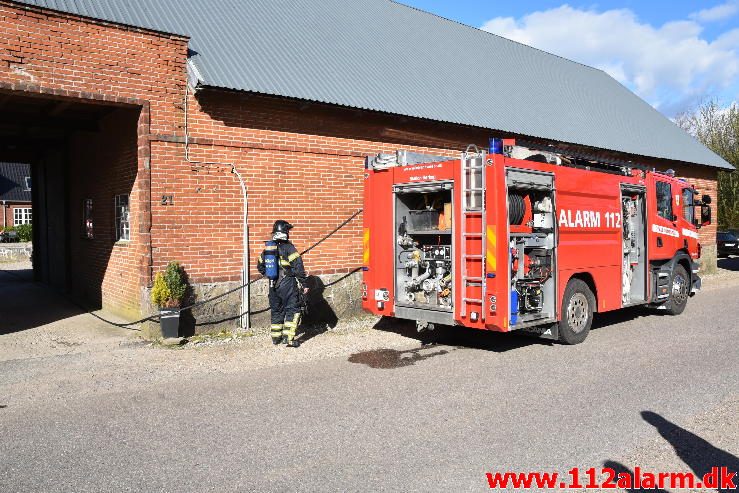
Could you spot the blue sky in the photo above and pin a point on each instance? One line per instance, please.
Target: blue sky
(673, 54)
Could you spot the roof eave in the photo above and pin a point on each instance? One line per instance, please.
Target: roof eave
(201, 85)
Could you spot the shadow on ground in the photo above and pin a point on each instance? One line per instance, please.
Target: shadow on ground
(461, 337)
(729, 263)
(698, 454)
(27, 305)
(318, 316)
(497, 341)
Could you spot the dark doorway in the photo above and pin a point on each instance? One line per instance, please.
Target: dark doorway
(80, 152)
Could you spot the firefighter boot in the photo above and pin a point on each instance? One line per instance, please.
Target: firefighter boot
(291, 328)
(276, 333)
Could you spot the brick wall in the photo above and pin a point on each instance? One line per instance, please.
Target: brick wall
(43, 51)
(101, 166)
(53, 55)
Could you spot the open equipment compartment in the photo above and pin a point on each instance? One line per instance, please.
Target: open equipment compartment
(532, 247)
(424, 249)
(634, 246)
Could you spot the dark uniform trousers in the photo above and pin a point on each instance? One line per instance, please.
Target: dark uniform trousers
(284, 297)
(284, 301)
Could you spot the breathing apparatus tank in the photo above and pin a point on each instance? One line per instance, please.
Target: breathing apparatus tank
(271, 261)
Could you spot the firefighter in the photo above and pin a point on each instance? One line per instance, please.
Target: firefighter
(280, 262)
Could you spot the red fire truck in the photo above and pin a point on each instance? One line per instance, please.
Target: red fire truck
(525, 239)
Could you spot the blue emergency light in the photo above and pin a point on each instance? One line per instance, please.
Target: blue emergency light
(496, 145)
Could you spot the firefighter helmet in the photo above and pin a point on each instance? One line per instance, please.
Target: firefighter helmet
(281, 230)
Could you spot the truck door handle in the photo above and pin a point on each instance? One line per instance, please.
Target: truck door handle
(659, 242)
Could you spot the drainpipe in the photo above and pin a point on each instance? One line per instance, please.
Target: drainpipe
(5, 216)
(245, 318)
(245, 290)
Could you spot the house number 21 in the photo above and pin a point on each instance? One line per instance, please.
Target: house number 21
(167, 199)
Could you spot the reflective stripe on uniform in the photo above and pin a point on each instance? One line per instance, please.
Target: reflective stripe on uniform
(292, 257)
(276, 327)
(284, 263)
(292, 326)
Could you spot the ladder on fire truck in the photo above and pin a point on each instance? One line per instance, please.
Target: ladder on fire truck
(473, 214)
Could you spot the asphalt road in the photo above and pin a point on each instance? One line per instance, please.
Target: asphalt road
(433, 418)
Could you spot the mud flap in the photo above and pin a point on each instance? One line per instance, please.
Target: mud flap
(695, 279)
(697, 283)
(547, 332)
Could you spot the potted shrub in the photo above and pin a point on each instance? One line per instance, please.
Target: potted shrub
(168, 293)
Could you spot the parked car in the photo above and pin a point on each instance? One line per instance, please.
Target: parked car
(728, 243)
(8, 236)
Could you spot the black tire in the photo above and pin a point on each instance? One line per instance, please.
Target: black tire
(578, 305)
(680, 290)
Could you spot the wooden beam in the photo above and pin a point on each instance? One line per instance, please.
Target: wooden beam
(51, 122)
(58, 108)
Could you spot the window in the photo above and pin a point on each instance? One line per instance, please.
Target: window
(122, 225)
(28, 183)
(664, 200)
(87, 226)
(688, 205)
(22, 215)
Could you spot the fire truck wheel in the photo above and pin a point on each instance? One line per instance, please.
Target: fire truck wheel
(680, 290)
(577, 312)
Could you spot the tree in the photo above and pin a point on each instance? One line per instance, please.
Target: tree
(718, 129)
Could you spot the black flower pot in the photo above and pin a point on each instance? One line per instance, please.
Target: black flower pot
(169, 320)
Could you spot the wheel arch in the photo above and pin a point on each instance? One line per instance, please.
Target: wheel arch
(588, 279)
(683, 258)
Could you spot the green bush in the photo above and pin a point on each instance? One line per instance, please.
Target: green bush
(175, 279)
(169, 287)
(25, 232)
(160, 294)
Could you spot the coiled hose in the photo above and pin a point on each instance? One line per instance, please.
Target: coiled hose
(516, 208)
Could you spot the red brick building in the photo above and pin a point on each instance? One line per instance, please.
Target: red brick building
(15, 194)
(133, 133)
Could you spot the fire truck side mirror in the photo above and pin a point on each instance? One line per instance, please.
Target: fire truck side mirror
(705, 214)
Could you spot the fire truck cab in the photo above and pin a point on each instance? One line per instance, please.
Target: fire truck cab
(525, 239)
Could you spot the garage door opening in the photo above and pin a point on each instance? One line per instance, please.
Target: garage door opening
(83, 158)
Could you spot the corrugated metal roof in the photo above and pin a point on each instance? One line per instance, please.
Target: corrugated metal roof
(13, 182)
(384, 56)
